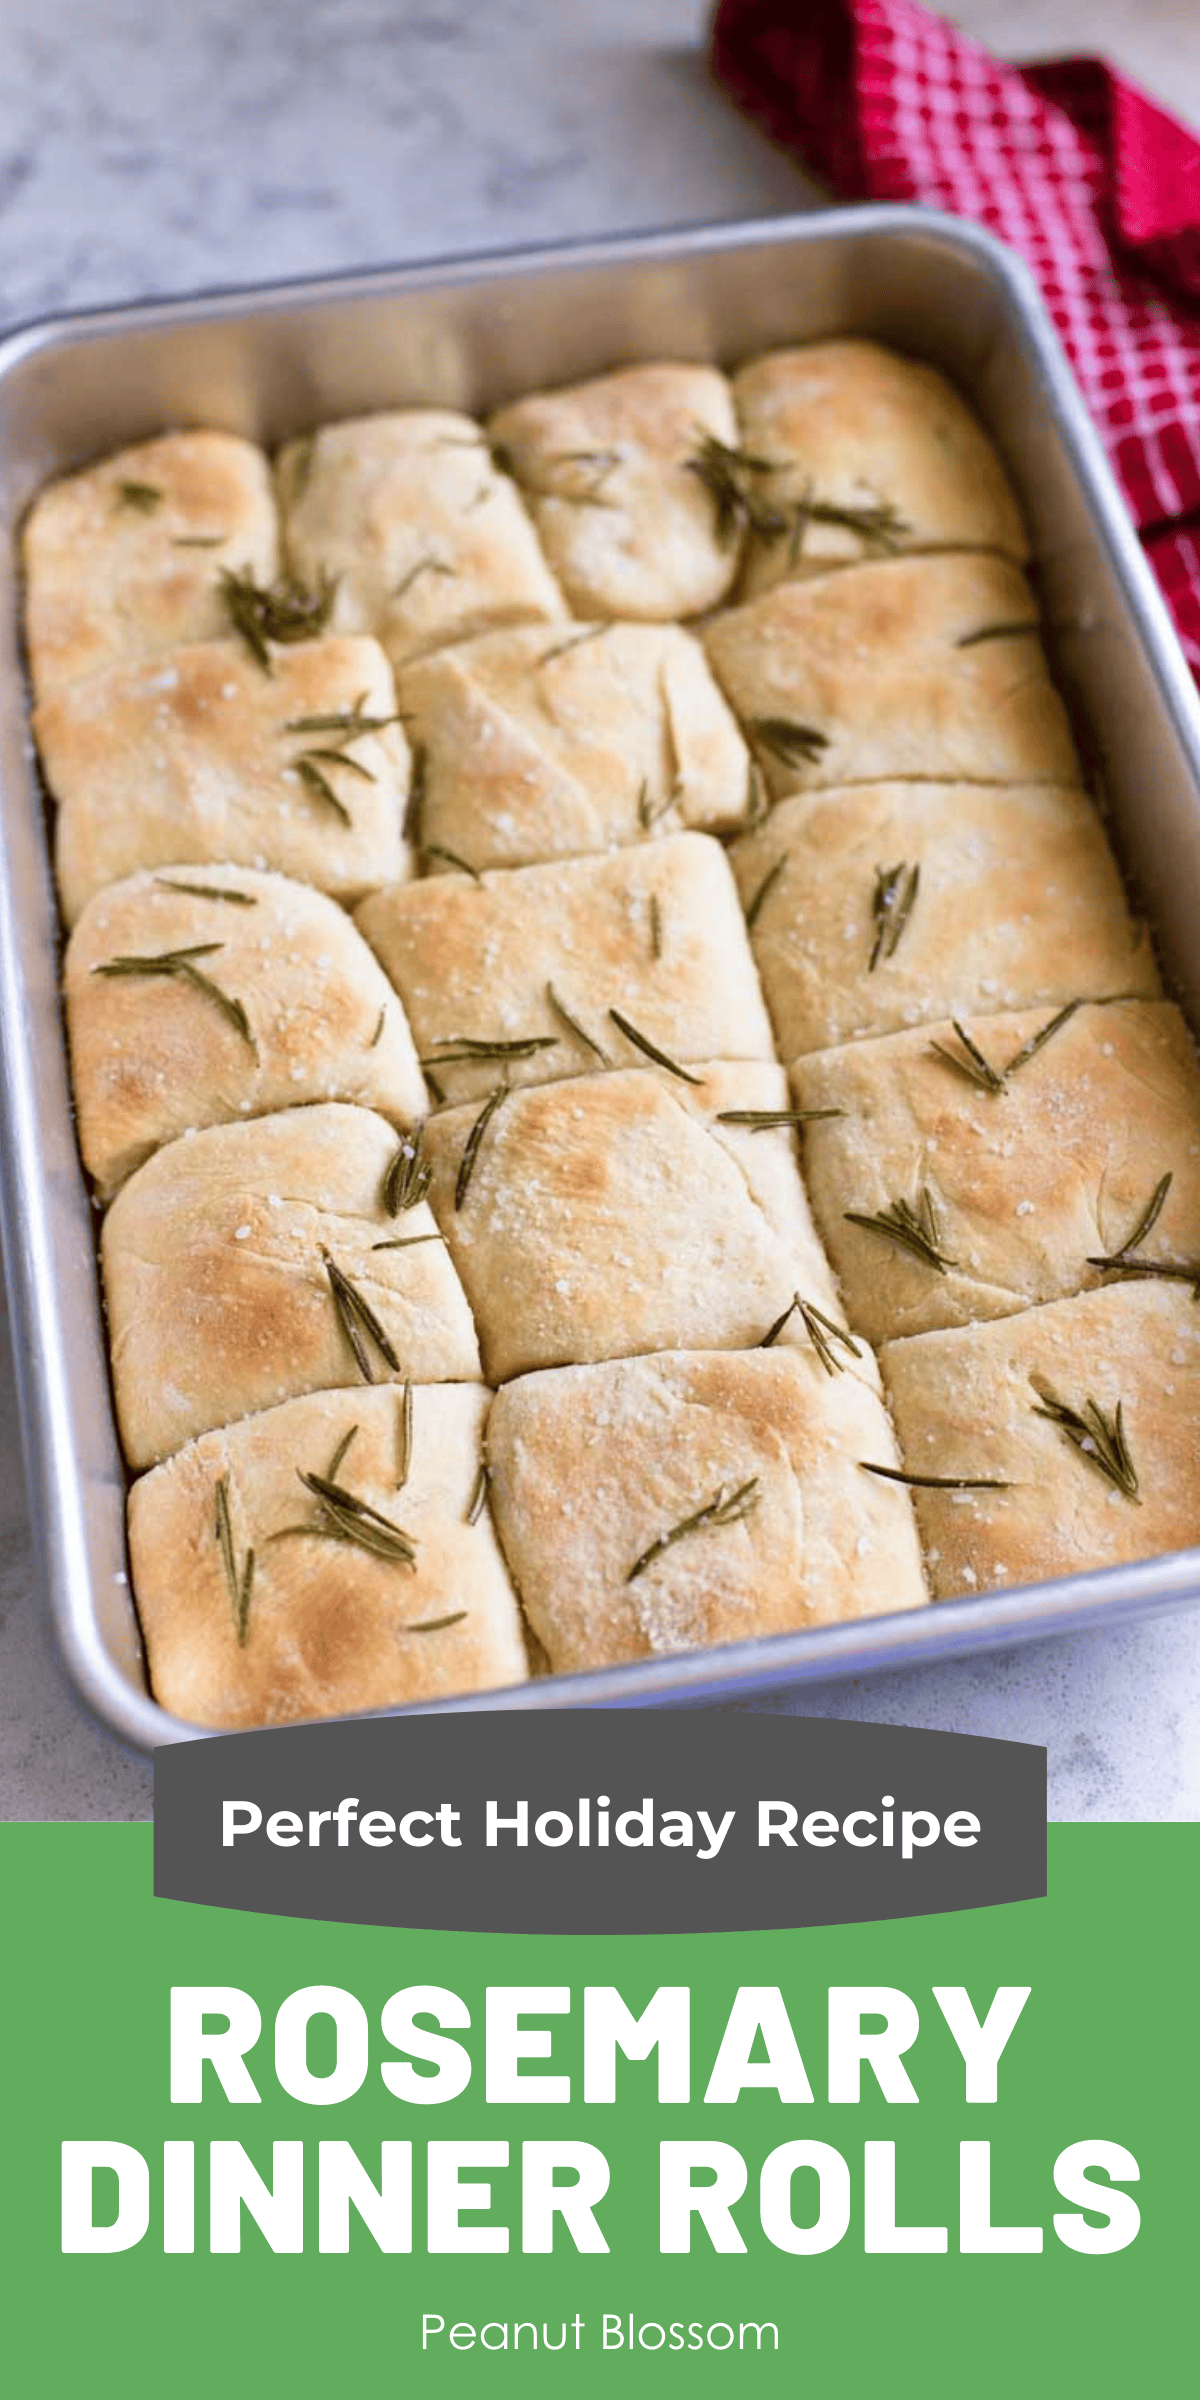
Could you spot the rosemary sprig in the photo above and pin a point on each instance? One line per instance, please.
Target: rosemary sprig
(724, 1508)
(996, 633)
(1099, 1439)
(143, 498)
(771, 1336)
(470, 1154)
(478, 1498)
(1037, 1041)
(461, 1048)
(284, 611)
(451, 858)
(207, 891)
(913, 1229)
(796, 745)
(758, 1119)
(1145, 1224)
(891, 907)
(241, 1585)
(728, 476)
(404, 1437)
(316, 781)
(573, 1026)
(827, 1338)
(358, 1321)
(766, 887)
(938, 1483)
(656, 926)
(408, 1177)
(649, 1049)
(181, 965)
(353, 1519)
(380, 1022)
(429, 565)
(877, 521)
(973, 1064)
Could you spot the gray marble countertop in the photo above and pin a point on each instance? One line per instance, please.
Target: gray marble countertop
(222, 144)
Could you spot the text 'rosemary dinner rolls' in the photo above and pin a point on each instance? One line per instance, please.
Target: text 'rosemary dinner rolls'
(259, 1260)
(199, 757)
(966, 1170)
(864, 455)
(609, 468)
(424, 539)
(653, 1505)
(127, 557)
(919, 666)
(543, 742)
(211, 994)
(515, 975)
(333, 1554)
(599, 1217)
(895, 904)
(1068, 1434)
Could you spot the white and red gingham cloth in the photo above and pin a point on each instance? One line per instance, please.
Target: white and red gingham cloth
(1072, 166)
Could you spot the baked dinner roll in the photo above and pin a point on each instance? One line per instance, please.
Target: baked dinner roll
(871, 455)
(600, 1217)
(918, 666)
(264, 1597)
(532, 961)
(254, 1261)
(186, 1010)
(1032, 1401)
(126, 557)
(893, 904)
(197, 756)
(1030, 1178)
(539, 743)
(428, 540)
(651, 1505)
(609, 469)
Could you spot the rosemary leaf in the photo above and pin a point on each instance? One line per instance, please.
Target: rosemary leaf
(771, 1336)
(284, 611)
(358, 1321)
(342, 758)
(429, 565)
(316, 781)
(573, 1026)
(649, 811)
(460, 1048)
(876, 521)
(1099, 1439)
(996, 633)
(758, 1119)
(240, 1586)
(380, 1022)
(408, 1241)
(450, 858)
(1037, 1041)
(1145, 1224)
(339, 1454)
(414, 805)
(938, 1483)
(408, 1177)
(355, 1520)
(796, 745)
(729, 477)
(436, 1624)
(470, 1154)
(142, 498)
(766, 887)
(724, 1508)
(656, 926)
(574, 641)
(350, 721)
(478, 1499)
(180, 965)
(404, 1437)
(891, 907)
(650, 1049)
(198, 541)
(207, 891)
(1130, 1269)
(973, 1064)
(828, 1338)
(913, 1229)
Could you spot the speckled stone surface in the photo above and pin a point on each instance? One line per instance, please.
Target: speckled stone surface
(173, 150)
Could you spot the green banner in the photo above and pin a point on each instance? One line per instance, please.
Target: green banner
(392, 2157)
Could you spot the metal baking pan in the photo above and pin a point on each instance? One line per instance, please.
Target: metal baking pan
(469, 334)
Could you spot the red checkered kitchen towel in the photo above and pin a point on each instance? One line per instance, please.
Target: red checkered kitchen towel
(1072, 166)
